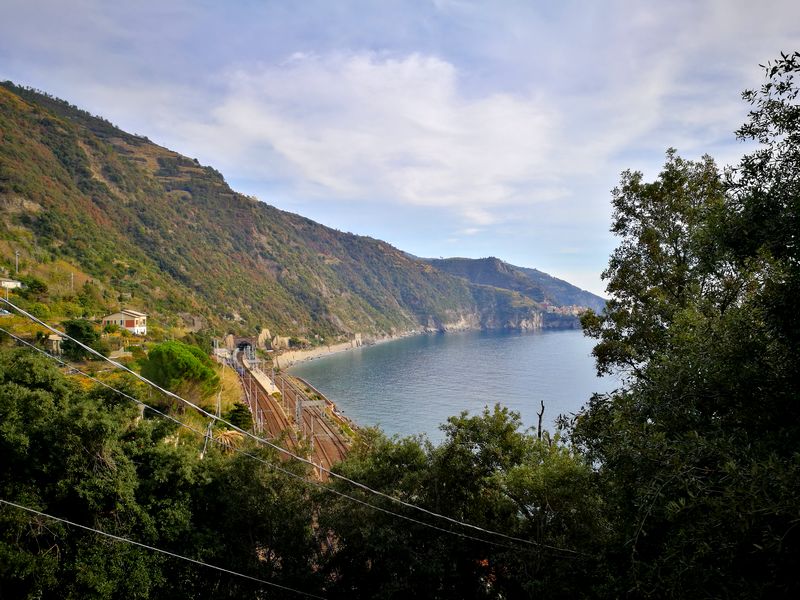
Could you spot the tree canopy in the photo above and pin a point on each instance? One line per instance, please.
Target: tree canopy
(698, 450)
(181, 367)
(85, 332)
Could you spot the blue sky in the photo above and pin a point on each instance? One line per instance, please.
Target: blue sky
(445, 127)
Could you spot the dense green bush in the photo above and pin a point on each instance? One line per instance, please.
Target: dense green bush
(181, 368)
(87, 456)
(240, 416)
(85, 332)
(33, 287)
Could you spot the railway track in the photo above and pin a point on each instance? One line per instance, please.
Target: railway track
(268, 414)
(327, 442)
(277, 418)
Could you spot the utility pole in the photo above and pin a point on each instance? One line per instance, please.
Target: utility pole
(312, 433)
(298, 412)
(253, 392)
(209, 435)
(16, 255)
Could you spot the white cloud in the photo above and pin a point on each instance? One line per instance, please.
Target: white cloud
(513, 119)
(377, 127)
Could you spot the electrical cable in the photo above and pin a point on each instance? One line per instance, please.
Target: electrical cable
(265, 462)
(160, 550)
(275, 446)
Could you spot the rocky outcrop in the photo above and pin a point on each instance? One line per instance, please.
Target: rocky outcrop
(523, 320)
(230, 342)
(452, 322)
(264, 340)
(280, 342)
(556, 321)
(192, 322)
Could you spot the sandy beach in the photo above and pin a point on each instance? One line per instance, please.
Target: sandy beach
(292, 357)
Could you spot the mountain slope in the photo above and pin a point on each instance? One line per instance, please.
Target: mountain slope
(563, 293)
(162, 233)
(531, 283)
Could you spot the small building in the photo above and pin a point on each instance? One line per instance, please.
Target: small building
(132, 320)
(54, 344)
(10, 284)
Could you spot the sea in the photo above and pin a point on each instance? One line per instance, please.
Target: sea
(412, 385)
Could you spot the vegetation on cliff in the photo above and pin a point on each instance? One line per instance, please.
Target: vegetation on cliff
(531, 283)
(160, 231)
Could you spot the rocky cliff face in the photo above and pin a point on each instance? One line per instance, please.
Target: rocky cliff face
(458, 322)
(528, 319)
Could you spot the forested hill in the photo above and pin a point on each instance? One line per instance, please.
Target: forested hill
(158, 231)
(531, 283)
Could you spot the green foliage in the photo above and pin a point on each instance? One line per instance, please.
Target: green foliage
(63, 454)
(91, 299)
(698, 451)
(181, 368)
(86, 456)
(487, 472)
(34, 288)
(663, 263)
(201, 339)
(240, 416)
(765, 194)
(85, 332)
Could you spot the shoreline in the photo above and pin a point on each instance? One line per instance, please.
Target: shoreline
(373, 388)
(290, 358)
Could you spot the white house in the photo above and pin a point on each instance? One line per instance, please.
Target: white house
(10, 284)
(132, 320)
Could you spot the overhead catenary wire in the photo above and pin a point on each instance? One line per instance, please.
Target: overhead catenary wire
(281, 449)
(159, 550)
(271, 465)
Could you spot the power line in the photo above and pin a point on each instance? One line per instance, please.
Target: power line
(279, 448)
(160, 550)
(287, 452)
(269, 464)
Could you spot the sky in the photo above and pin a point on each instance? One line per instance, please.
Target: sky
(445, 127)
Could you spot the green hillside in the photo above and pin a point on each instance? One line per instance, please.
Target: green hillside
(531, 283)
(155, 230)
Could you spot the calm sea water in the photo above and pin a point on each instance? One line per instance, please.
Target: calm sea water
(412, 385)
